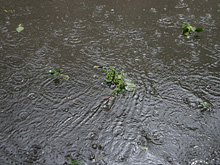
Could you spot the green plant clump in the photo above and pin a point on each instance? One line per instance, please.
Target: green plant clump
(54, 73)
(116, 79)
(188, 29)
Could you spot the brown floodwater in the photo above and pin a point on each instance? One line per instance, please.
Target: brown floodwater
(51, 121)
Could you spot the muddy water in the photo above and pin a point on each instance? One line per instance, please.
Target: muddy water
(53, 121)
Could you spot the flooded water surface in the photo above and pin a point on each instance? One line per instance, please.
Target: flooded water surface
(47, 120)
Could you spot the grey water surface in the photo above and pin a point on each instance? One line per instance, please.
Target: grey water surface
(52, 121)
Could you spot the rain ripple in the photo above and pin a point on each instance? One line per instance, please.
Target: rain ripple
(206, 85)
(14, 62)
(4, 102)
(52, 92)
(3, 94)
(18, 81)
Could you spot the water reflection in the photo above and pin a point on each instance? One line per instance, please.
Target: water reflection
(51, 121)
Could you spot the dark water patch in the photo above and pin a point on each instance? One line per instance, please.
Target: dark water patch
(52, 121)
(52, 92)
(14, 61)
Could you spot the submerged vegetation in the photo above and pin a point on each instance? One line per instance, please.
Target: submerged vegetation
(55, 73)
(76, 162)
(188, 29)
(116, 80)
(205, 106)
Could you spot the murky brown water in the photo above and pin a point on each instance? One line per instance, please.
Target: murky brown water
(49, 122)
